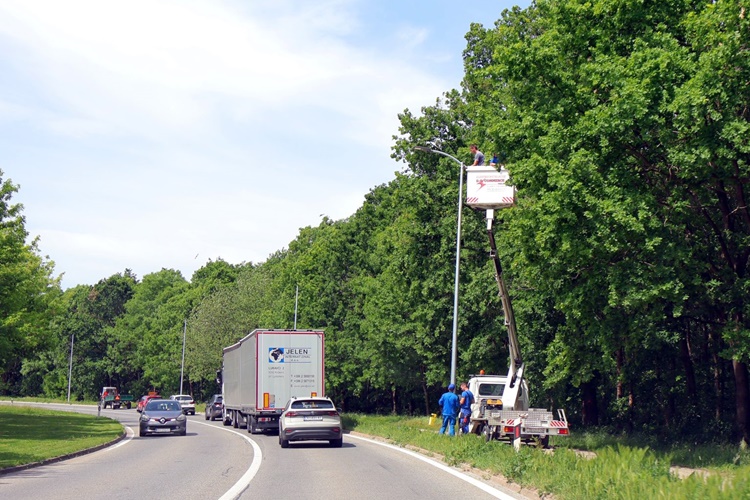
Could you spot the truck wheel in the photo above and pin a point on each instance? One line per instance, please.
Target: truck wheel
(227, 420)
(235, 420)
(252, 425)
(487, 431)
(128, 406)
(542, 442)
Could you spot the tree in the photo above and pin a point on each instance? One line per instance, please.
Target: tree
(27, 291)
(630, 164)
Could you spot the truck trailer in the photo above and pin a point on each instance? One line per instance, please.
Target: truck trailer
(261, 372)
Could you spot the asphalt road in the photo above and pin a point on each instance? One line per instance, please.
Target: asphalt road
(217, 462)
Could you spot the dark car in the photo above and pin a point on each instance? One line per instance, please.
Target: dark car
(214, 407)
(163, 416)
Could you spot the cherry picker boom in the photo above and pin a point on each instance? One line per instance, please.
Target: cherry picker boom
(501, 407)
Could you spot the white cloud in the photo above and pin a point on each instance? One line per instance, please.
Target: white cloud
(152, 131)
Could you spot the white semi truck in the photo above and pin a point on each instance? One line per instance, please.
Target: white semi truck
(261, 372)
(501, 403)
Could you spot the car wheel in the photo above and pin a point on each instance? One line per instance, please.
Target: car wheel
(142, 433)
(336, 443)
(284, 443)
(207, 416)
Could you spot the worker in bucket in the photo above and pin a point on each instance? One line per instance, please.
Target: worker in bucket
(466, 400)
(478, 155)
(449, 402)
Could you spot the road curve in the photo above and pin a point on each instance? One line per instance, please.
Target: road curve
(204, 464)
(213, 461)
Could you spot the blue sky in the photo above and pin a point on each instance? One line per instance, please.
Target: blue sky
(161, 134)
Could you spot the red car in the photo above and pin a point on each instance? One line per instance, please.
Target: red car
(145, 399)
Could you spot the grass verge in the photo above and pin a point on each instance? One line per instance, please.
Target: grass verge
(29, 434)
(618, 471)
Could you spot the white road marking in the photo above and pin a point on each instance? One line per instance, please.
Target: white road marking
(240, 486)
(129, 433)
(475, 482)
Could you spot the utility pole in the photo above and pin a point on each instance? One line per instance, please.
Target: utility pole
(182, 368)
(70, 363)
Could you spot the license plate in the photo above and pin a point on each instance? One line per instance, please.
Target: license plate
(313, 418)
(163, 430)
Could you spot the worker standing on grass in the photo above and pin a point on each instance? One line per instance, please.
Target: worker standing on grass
(467, 399)
(450, 404)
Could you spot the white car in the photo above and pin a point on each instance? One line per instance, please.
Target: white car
(186, 402)
(309, 419)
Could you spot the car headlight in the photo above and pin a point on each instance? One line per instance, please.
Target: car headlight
(181, 417)
(144, 417)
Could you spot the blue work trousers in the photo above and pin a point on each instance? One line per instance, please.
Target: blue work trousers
(465, 421)
(450, 422)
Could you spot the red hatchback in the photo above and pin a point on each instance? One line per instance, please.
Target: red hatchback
(145, 399)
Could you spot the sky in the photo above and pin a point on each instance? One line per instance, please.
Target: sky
(169, 133)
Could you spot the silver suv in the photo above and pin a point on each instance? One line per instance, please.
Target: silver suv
(186, 402)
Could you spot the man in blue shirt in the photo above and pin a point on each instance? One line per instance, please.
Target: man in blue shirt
(467, 398)
(449, 402)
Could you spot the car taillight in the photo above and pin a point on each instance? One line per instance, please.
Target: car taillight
(291, 414)
(332, 413)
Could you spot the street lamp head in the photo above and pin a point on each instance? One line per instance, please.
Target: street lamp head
(423, 148)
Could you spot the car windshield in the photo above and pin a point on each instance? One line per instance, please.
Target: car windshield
(183, 398)
(163, 406)
(306, 404)
(491, 389)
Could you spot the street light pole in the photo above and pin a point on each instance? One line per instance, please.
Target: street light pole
(70, 364)
(458, 253)
(182, 366)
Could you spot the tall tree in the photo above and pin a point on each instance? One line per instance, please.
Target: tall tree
(630, 163)
(27, 290)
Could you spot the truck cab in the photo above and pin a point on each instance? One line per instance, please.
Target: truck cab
(488, 395)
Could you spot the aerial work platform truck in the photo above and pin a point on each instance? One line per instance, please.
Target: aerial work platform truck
(501, 407)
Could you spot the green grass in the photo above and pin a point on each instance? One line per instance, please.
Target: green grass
(29, 434)
(686, 454)
(618, 471)
(30, 399)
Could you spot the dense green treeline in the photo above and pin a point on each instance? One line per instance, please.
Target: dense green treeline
(624, 125)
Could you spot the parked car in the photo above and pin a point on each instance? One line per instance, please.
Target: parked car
(145, 399)
(162, 416)
(187, 403)
(213, 407)
(305, 419)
